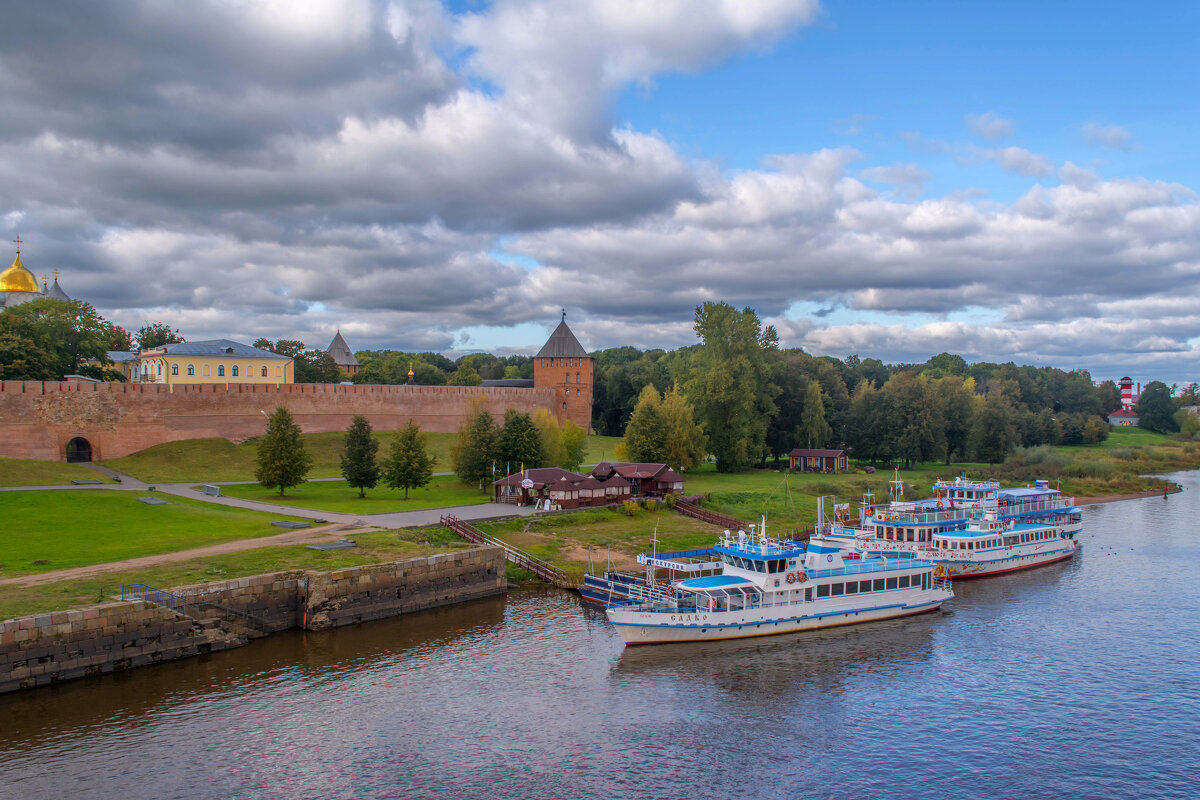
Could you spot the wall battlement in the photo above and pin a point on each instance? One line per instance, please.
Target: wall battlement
(39, 418)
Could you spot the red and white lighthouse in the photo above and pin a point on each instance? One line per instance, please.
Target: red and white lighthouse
(1126, 394)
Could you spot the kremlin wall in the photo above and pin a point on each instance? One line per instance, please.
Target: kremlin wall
(38, 419)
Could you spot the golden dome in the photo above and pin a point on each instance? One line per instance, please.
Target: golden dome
(18, 279)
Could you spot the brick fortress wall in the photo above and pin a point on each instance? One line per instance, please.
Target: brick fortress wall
(38, 418)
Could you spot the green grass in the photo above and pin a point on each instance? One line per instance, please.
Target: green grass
(218, 460)
(63, 529)
(372, 548)
(23, 472)
(338, 497)
(563, 538)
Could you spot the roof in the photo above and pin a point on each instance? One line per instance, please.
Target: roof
(342, 355)
(56, 292)
(218, 347)
(540, 476)
(18, 279)
(1027, 491)
(670, 476)
(120, 356)
(562, 344)
(1123, 413)
(591, 482)
(799, 453)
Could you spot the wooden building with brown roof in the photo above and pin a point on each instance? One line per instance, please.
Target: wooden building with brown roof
(818, 460)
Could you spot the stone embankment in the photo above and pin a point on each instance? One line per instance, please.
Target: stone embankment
(50, 648)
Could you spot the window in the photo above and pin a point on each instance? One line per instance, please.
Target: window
(220, 370)
(564, 405)
(852, 587)
(837, 589)
(823, 590)
(864, 586)
(879, 585)
(903, 581)
(263, 372)
(568, 377)
(191, 369)
(808, 594)
(234, 372)
(577, 394)
(174, 369)
(577, 377)
(891, 583)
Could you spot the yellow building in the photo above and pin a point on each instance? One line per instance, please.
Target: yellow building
(213, 361)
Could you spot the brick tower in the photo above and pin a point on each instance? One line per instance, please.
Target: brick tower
(563, 365)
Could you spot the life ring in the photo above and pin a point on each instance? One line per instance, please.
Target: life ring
(712, 602)
(791, 577)
(946, 515)
(940, 506)
(801, 577)
(868, 512)
(670, 590)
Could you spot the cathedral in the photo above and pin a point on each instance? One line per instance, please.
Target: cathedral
(18, 285)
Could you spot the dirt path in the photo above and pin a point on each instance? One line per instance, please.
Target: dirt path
(1113, 498)
(305, 536)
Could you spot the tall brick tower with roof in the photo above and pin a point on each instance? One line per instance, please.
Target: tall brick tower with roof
(564, 366)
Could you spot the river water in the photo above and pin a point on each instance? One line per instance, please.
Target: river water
(1074, 680)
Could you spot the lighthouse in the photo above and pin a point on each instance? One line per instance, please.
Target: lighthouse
(1126, 394)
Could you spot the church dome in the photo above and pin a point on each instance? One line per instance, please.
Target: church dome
(18, 279)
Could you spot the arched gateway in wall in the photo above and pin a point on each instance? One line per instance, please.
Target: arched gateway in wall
(79, 449)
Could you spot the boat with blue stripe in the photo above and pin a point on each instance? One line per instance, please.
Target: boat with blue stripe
(766, 587)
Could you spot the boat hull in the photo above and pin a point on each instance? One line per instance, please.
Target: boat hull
(637, 627)
(962, 570)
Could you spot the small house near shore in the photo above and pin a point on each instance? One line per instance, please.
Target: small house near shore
(607, 483)
(818, 460)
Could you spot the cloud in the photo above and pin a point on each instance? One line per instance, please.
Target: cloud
(1022, 162)
(989, 125)
(1113, 136)
(853, 125)
(909, 179)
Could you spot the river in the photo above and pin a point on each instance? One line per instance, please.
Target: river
(1079, 679)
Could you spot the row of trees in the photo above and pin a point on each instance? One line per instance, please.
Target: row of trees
(282, 460)
(435, 369)
(484, 450)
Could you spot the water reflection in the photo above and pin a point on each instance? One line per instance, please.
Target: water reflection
(1076, 679)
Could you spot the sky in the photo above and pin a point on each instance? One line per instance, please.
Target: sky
(1008, 181)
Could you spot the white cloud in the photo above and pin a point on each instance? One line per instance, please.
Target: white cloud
(1113, 136)
(1022, 162)
(909, 179)
(989, 125)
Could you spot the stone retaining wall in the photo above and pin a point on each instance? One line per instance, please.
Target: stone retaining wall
(50, 648)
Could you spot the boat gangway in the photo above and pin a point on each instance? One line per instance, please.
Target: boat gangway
(543, 569)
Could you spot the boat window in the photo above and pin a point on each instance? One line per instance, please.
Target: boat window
(879, 585)
(903, 581)
(837, 589)
(891, 583)
(852, 587)
(823, 590)
(808, 594)
(864, 586)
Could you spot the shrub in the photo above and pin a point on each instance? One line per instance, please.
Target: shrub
(629, 508)
(650, 504)
(670, 499)
(1125, 453)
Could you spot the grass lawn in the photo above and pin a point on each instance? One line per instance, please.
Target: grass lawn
(372, 548)
(563, 539)
(217, 460)
(23, 472)
(338, 497)
(62, 529)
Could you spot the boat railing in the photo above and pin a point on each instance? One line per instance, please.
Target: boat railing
(1026, 507)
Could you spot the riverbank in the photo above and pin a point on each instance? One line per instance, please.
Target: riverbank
(194, 620)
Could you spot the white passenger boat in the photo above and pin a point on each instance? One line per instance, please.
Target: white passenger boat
(990, 546)
(767, 587)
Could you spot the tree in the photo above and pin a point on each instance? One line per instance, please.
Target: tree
(358, 458)
(520, 443)
(316, 366)
(1095, 430)
(912, 421)
(954, 403)
(1156, 409)
(465, 376)
(156, 334)
(68, 336)
(21, 358)
(282, 460)
(993, 433)
(474, 451)
(574, 446)
(729, 382)
(409, 464)
(646, 435)
(685, 442)
(814, 431)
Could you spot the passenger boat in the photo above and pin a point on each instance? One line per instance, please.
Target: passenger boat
(767, 587)
(908, 526)
(989, 546)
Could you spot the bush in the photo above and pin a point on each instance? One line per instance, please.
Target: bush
(1042, 455)
(650, 504)
(670, 499)
(1093, 469)
(629, 508)
(1126, 453)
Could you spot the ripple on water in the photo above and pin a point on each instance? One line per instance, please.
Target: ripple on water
(1074, 680)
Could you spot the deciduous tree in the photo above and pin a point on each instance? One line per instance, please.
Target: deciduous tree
(520, 443)
(282, 460)
(156, 334)
(685, 442)
(646, 434)
(475, 450)
(1156, 409)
